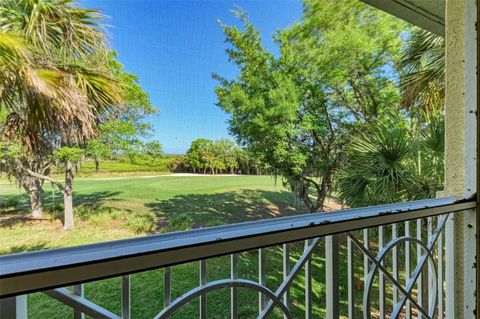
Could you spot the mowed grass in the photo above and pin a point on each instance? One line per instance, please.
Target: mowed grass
(205, 200)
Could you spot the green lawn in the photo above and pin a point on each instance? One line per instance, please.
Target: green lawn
(105, 208)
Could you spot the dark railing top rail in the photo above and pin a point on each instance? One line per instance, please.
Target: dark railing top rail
(33, 271)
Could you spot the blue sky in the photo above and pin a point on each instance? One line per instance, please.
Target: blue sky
(174, 46)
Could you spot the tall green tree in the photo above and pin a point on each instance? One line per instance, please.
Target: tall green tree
(294, 111)
(125, 129)
(403, 159)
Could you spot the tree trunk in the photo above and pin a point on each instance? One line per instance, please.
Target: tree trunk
(33, 187)
(97, 163)
(68, 197)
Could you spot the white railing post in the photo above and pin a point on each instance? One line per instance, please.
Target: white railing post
(167, 294)
(350, 279)
(203, 296)
(381, 278)
(286, 272)
(331, 277)
(14, 307)
(408, 273)
(79, 290)
(233, 290)
(126, 300)
(261, 278)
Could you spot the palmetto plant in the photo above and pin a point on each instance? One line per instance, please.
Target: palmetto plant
(383, 164)
(54, 83)
(379, 167)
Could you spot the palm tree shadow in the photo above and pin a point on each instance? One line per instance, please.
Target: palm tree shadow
(225, 208)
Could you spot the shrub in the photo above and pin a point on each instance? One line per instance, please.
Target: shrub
(11, 202)
(180, 222)
(144, 223)
(100, 215)
(83, 212)
(213, 223)
(55, 211)
(105, 216)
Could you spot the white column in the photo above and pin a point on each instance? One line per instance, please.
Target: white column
(460, 157)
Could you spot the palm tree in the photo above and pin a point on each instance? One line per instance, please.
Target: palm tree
(422, 87)
(423, 72)
(64, 89)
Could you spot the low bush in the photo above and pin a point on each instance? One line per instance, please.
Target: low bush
(9, 203)
(55, 211)
(213, 223)
(144, 223)
(180, 222)
(100, 215)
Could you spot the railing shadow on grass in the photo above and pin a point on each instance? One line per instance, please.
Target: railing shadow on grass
(225, 208)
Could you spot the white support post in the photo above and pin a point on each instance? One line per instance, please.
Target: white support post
(460, 154)
(79, 290)
(14, 307)
(332, 280)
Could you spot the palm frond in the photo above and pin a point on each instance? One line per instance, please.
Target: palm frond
(423, 72)
(57, 27)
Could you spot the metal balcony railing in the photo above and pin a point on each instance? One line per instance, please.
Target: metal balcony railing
(394, 258)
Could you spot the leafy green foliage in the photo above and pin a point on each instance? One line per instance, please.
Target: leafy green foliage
(68, 154)
(295, 111)
(122, 132)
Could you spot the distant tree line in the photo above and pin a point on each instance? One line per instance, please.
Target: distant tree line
(221, 156)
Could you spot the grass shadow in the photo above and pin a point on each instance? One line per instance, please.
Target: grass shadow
(25, 248)
(11, 216)
(224, 208)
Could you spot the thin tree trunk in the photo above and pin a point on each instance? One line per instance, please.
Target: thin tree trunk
(34, 190)
(33, 187)
(68, 197)
(97, 163)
